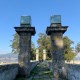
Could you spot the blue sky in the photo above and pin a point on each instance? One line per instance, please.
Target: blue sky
(40, 12)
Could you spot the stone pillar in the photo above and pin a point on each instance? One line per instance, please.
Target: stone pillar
(37, 55)
(25, 31)
(44, 54)
(56, 31)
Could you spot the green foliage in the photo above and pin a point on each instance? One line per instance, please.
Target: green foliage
(69, 56)
(67, 44)
(15, 43)
(68, 50)
(33, 51)
(77, 48)
(44, 43)
(15, 46)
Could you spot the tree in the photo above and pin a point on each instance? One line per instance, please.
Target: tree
(44, 43)
(15, 46)
(77, 48)
(15, 43)
(68, 50)
(33, 51)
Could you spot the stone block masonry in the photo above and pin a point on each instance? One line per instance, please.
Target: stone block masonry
(56, 31)
(32, 66)
(25, 31)
(73, 71)
(8, 72)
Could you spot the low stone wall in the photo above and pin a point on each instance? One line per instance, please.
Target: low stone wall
(33, 64)
(73, 71)
(49, 64)
(73, 62)
(8, 72)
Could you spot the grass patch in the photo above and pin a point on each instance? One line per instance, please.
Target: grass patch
(34, 71)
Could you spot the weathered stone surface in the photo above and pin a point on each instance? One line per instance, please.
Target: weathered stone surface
(25, 32)
(37, 56)
(25, 20)
(57, 51)
(73, 71)
(8, 72)
(44, 54)
(55, 19)
(56, 29)
(24, 55)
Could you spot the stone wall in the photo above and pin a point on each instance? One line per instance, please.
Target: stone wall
(32, 65)
(73, 70)
(73, 62)
(49, 65)
(8, 72)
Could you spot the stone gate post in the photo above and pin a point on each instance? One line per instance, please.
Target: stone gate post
(25, 32)
(37, 55)
(56, 31)
(44, 54)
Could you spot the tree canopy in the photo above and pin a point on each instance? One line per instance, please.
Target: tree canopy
(77, 48)
(15, 43)
(68, 50)
(44, 42)
(15, 46)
